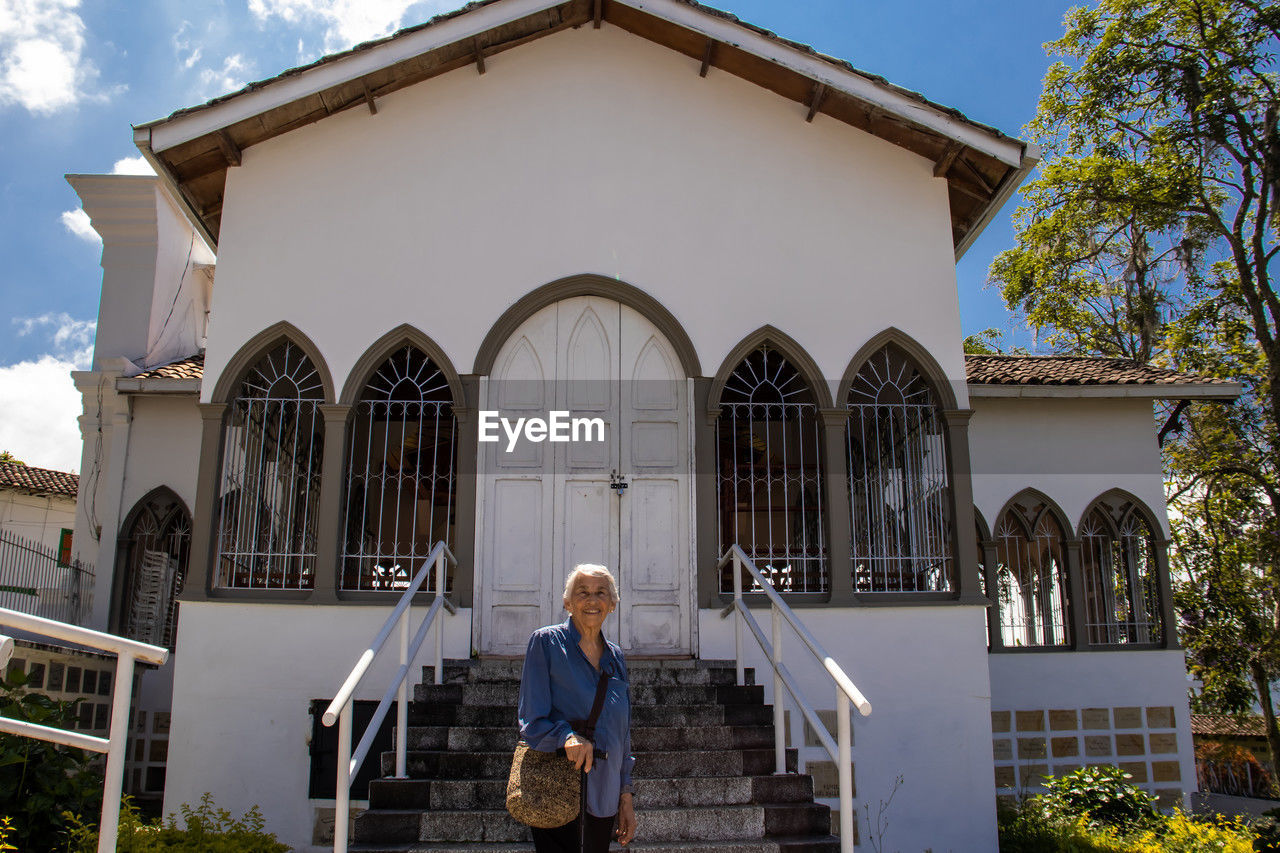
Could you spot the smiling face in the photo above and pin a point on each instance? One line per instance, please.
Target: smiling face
(589, 602)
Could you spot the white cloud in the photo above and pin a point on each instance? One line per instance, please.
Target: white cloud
(348, 22)
(188, 52)
(42, 66)
(70, 339)
(77, 222)
(132, 166)
(39, 405)
(229, 78)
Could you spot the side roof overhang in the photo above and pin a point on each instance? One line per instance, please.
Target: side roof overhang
(192, 149)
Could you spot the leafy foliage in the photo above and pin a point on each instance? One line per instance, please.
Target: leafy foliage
(204, 828)
(1101, 795)
(40, 781)
(6, 456)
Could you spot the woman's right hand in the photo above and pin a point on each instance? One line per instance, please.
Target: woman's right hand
(580, 751)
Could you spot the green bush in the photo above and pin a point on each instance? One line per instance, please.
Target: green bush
(40, 781)
(204, 829)
(1101, 795)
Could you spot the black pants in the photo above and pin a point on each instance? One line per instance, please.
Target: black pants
(564, 839)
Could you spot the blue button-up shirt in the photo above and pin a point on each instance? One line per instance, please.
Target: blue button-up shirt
(558, 684)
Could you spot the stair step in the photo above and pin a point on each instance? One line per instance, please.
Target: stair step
(655, 793)
(643, 738)
(678, 672)
(507, 693)
(801, 844)
(651, 716)
(719, 823)
(435, 764)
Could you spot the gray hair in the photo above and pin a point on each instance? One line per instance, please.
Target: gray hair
(591, 570)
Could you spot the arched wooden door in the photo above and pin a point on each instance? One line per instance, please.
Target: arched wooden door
(547, 506)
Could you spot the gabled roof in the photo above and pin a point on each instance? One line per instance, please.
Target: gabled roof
(192, 149)
(1086, 376)
(37, 481)
(1226, 725)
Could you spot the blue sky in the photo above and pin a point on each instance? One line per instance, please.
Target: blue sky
(74, 77)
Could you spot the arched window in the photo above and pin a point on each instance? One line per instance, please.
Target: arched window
(157, 545)
(269, 490)
(981, 534)
(769, 474)
(400, 474)
(899, 491)
(1121, 584)
(1031, 576)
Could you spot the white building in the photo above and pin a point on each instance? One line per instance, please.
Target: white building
(738, 254)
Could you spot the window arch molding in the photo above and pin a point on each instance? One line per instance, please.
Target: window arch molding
(1067, 567)
(1164, 615)
(383, 348)
(252, 351)
(934, 375)
(787, 346)
(122, 581)
(586, 284)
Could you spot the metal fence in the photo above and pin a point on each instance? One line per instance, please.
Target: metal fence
(1236, 778)
(34, 580)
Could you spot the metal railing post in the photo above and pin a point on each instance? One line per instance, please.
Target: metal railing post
(779, 729)
(402, 702)
(737, 622)
(439, 679)
(342, 798)
(122, 693)
(845, 770)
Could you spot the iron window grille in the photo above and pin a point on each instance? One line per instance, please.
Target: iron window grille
(269, 489)
(158, 548)
(1118, 559)
(769, 474)
(1031, 578)
(401, 485)
(899, 490)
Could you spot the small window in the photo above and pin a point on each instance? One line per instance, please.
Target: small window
(17, 666)
(155, 779)
(1031, 577)
(159, 751)
(1121, 578)
(139, 750)
(57, 672)
(104, 683)
(100, 716)
(73, 679)
(35, 677)
(64, 547)
(85, 711)
(90, 683)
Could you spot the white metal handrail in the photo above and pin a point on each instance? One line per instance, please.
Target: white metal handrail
(115, 744)
(340, 709)
(847, 694)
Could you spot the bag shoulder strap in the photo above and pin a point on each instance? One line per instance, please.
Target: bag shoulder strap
(602, 687)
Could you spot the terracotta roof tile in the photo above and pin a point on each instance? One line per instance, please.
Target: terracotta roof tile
(1226, 725)
(1072, 370)
(37, 481)
(191, 367)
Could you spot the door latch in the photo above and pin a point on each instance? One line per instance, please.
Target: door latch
(618, 482)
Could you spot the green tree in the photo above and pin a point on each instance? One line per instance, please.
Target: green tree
(1150, 234)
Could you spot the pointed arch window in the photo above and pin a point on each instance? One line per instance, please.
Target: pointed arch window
(769, 473)
(401, 484)
(157, 548)
(1118, 560)
(1031, 577)
(269, 489)
(899, 489)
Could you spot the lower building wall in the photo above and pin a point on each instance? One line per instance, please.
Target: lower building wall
(1053, 712)
(924, 671)
(244, 677)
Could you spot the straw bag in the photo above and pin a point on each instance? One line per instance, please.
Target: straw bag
(544, 789)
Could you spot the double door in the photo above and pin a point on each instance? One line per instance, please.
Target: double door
(616, 494)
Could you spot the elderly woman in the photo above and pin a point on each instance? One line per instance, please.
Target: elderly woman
(562, 668)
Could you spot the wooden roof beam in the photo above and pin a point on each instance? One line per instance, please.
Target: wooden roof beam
(707, 56)
(228, 147)
(479, 52)
(368, 98)
(981, 179)
(597, 14)
(815, 100)
(949, 155)
(963, 189)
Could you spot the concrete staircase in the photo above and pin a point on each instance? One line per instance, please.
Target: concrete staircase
(704, 765)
